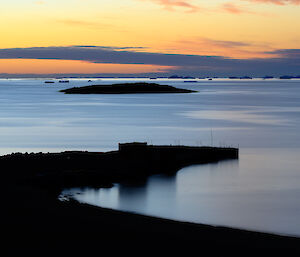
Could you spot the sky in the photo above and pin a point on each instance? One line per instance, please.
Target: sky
(161, 37)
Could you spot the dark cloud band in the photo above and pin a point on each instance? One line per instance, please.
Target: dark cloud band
(285, 61)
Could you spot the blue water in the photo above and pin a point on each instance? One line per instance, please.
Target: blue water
(260, 191)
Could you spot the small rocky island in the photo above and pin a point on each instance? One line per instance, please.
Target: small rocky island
(126, 88)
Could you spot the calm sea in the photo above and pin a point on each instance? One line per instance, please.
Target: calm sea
(260, 191)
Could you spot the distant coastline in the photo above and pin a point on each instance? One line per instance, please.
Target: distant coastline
(141, 76)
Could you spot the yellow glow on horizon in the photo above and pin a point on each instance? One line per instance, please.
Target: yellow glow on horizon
(38, 66)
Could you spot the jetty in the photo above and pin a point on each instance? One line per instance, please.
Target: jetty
(132, 161)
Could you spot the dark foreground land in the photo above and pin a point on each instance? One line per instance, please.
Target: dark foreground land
(126, 88)
(35, 223)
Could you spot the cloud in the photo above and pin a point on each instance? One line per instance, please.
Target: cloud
(171, 4)
(286, 53)
(113, 47)
(224, 43)
(283, 61)
(104, 55)
(234, 9)
(277, 2)
(233, 49)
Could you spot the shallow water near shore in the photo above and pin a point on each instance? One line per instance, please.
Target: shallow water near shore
(260, 191)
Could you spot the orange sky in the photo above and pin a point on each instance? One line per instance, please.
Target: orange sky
(38, 66)
(234, 29)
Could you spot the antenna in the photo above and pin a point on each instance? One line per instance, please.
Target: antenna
(211, 137)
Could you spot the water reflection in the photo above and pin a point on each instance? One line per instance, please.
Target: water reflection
(162, 191)
(260, 191)
(156, 195)
(132, 197)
